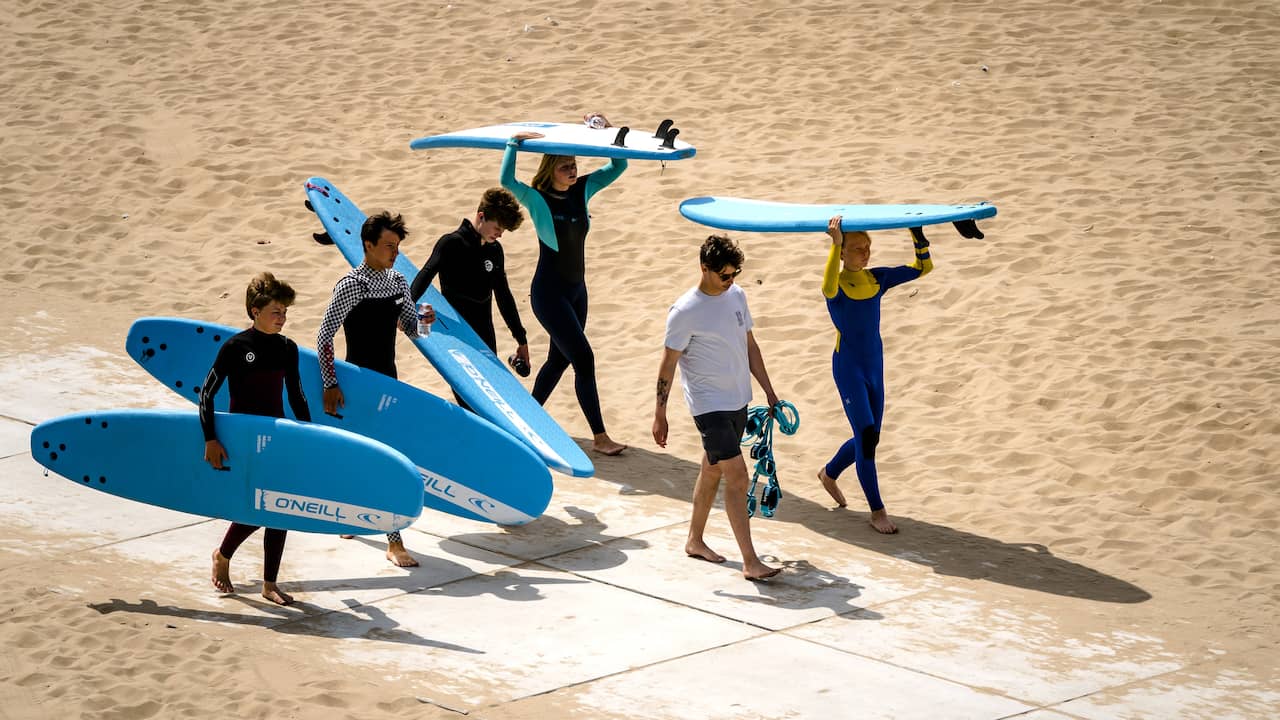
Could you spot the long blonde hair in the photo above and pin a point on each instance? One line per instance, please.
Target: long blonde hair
(546, 170)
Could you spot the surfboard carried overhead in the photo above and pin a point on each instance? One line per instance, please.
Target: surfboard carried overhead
(730, 213)
(469, 467)
(279, 473)
(454, 349)
(570, 139)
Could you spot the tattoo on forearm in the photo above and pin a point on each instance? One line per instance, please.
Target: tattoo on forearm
(664, 389)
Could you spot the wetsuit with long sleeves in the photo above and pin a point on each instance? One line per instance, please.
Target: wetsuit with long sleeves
(473, 275)
(368, 305)
(257, 367)
(853, 301)
(558, 293)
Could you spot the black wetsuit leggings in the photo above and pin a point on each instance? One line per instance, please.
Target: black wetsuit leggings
(272, 547)
(561, 308)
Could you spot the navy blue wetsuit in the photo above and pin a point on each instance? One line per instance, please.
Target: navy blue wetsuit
(857, 364)
(257, 366)
(558, 294)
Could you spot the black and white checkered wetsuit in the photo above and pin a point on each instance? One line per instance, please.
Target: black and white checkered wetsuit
(368, 305)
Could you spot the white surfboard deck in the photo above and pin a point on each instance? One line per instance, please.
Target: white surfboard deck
(563, 139)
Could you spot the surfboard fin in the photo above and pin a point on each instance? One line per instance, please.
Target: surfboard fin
(669, 140)
(322, 238)
(309, 205)
(663, 127)
(620, 140)
(969, 229)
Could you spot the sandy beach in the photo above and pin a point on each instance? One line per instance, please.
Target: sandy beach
(1082, 424)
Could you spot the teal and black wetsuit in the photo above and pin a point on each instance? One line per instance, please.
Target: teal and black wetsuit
(558, 294)
(853, 300)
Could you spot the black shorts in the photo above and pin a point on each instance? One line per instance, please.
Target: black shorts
(722, 433)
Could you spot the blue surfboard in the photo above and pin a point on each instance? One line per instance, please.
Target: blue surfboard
(729, 213)
(568, 139)
(469, 467)
(457, 353)
(278, 473)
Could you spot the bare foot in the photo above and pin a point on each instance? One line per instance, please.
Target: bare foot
(881, 522)
(756, 571)
(605, 445)
(222, 573)
(346, 537)
(699, 550)
(273, 593)
(399, 556)
(832, 489)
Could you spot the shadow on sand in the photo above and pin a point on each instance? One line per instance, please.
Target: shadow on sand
(300, 618)
(945, 550)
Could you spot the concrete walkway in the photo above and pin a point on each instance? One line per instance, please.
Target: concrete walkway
(593, 610)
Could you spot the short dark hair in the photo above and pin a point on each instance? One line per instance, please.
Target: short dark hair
(263, 288)
(718, 251)
(373, 226)
(500, 206)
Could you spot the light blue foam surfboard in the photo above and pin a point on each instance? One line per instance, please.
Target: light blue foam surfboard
(469, 467)
(729, 213)
(460, 356)
(569, 139)
(278, 473)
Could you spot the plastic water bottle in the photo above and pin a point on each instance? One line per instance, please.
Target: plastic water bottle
(424, 327)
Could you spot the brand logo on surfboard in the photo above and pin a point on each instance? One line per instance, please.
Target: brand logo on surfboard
(328, 510)
(386, 402)
(504, 407)
(473, 500)
(262, 442)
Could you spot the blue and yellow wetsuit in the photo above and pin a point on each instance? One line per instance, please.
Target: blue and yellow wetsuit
(853, 300)
(558, 293)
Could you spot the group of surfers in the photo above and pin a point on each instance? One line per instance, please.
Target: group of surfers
(708, 337)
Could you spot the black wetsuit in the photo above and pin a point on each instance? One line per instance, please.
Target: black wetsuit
(473, 275)
(257, 366)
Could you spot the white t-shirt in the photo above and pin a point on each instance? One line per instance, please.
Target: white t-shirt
(711, 333)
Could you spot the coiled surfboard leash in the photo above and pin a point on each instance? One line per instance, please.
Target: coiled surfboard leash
(759, 435)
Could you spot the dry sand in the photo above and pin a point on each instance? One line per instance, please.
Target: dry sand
(1096, 382)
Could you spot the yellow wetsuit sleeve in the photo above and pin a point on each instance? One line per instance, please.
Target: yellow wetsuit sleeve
(923, 262)
(831, 275)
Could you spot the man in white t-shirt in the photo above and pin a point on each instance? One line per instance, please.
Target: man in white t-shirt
(709, 337)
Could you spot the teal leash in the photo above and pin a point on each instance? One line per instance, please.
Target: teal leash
(759, 435)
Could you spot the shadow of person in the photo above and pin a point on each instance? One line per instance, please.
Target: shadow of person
(464, 582)
(803, 586)
(946, 551)
(558, 537)
(300, 618)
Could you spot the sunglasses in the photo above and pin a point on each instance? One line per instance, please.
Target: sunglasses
(726, 277)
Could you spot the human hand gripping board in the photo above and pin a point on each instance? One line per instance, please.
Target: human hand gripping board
(570, 139)
(454, 349)
(741, 214)
(468, 466)
(278, 473)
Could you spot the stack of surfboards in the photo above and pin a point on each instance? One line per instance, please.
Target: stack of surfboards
(393, 450)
